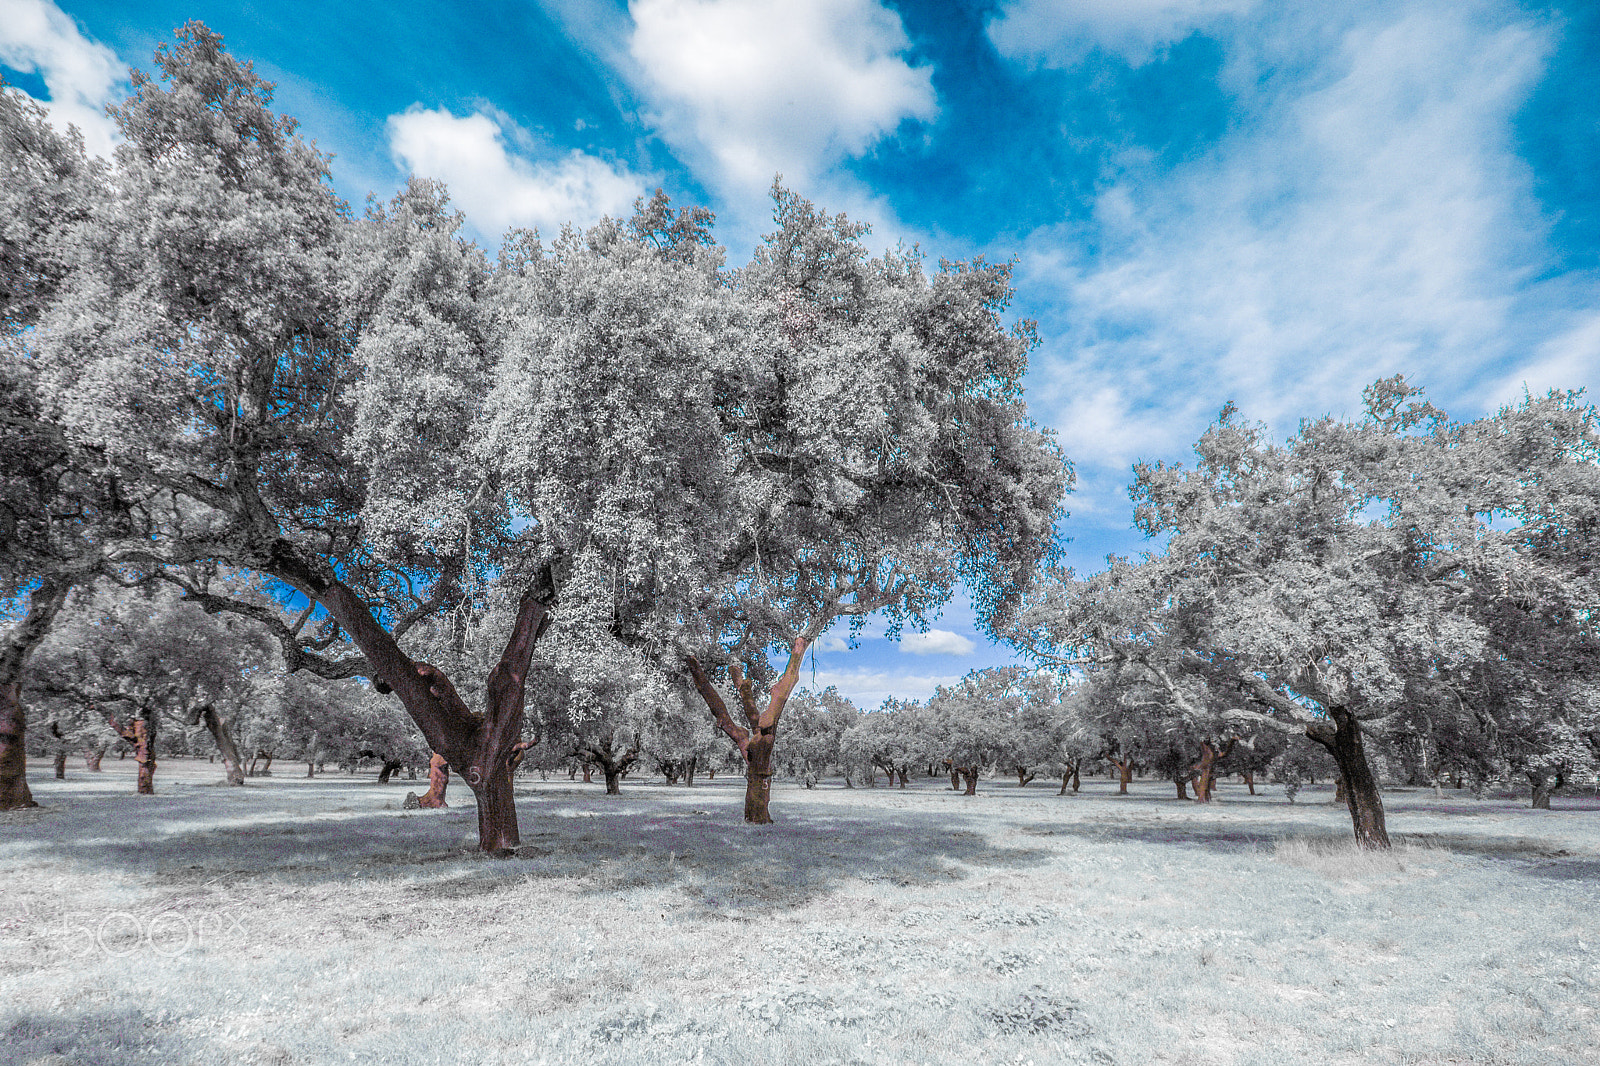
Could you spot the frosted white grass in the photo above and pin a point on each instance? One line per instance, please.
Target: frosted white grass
(315, 921)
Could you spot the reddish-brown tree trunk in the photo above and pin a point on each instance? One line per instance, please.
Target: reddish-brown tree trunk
(901, 774)
(1023, 777)
(969, 774)
(757, 737)
(438, 781)
(218, 728)
(44, 603)
(1544, 782)
(955, 779)
(61, 751)
(1250, 781)
(480, 747)
(141, 734)
(92, 757)
(1183, 788)
(1124, 774)
(1205, 771)
(1360, 787)
(588, 774)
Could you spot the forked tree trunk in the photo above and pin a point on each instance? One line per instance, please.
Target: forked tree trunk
(1023, 777)
(438, 781)
(955, 779)
(969, 774)
(480, 747)
(141, 734)
(218, 728)
(1205, 771)
(901, 774)
(1066, 777)
(1361, 788)
(613, 776)
(757, 737)
(92, 757)
(588, 774)
(389, 767)
(1124, 772)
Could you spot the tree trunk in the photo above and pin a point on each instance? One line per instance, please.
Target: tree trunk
(480, 747)
(588, 774)
(901, 774)
(438, 781)
(688, 771)
(1205, 771)
(1340, 794)
(141, 734)
(757, 738)
(225, 746)
(1124, 774)
(1250, 781)
(969, 774)
(92, 757)
(758, 777)
(44, 603)
(1544, 783)
(61, 751)
(1023, 777)
(955, 779)
(1183, 788)
(1077, 781)
(613, 775)
(389, 767)
(1066, 777)
(1361, 788)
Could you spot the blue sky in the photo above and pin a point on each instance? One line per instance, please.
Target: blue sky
(1268, 202)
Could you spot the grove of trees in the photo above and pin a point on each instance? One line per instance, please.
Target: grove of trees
(282, 469)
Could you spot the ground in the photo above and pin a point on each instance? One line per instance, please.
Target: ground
(296, 921)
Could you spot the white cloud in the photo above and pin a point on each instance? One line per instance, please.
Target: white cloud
(83, 76)
(1569, 360)
(936, 642)
(763, 88)
(498, 190)
(1371, 218)
(868, 688)
(1061, 32)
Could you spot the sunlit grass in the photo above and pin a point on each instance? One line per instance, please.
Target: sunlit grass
(294, 921)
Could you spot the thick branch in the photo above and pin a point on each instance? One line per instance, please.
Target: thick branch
(719, 710)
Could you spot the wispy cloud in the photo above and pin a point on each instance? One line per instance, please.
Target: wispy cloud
(498, 188)
(1365, 218)
(868, 688)
(1061, 32)
(82, 76)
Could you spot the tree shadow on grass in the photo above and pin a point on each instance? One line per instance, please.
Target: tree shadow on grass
(105, 1037)
(648, 837)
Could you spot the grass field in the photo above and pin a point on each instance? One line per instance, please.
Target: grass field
(296, 921)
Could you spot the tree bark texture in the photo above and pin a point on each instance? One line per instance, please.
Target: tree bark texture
(92, 757)
(1360, 787)
(758, 735)
(389, 767)
(969, 774)
(44, 603)
(218, 728)
(479, 746)
(1205, 771)
(141, 734)
(438, 781)
(1124, 771)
